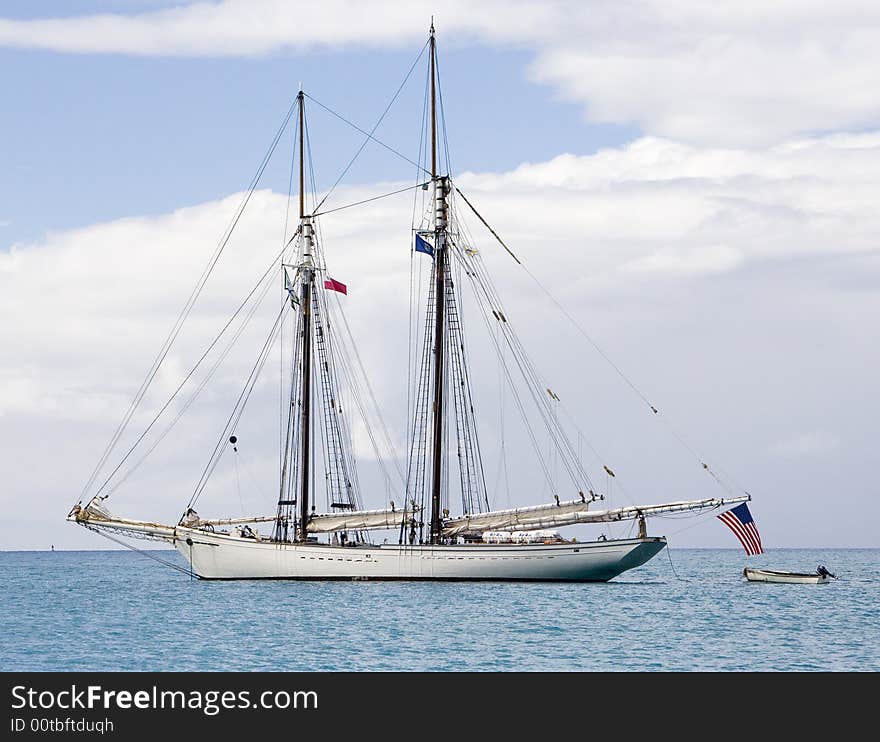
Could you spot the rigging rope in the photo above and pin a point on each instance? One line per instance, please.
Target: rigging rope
(143, 552)
(240, 404)
(368, 200)
(672, 566)
(285, 242)
(189, 375)
(290, 465)
(607, 359)
(372, 131)
(350, 346)
(415, 271)
(480, 279)
(196, 393)
(187, 309)
(442, 112)
(516, 397)
(486, 224)
(502, 456)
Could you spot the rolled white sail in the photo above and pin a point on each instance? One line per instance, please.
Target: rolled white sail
(634, 511)
(516, 519)
(100, 518)
(358, 520)
(570, 513)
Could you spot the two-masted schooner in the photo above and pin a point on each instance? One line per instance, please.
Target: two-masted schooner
(479, 543)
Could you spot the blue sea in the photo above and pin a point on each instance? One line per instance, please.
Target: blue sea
(686, 610)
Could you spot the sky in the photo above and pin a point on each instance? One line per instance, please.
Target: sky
(696, 183)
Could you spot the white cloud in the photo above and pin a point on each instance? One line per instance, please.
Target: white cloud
(733, 284)
(253, 27)
(708, 259)
(728, 80)
(749, 73)
(659, 205)
(807, 444)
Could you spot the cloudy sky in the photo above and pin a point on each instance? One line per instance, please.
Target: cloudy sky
(697, 183)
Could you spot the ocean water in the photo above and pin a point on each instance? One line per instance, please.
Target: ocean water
(685, 610)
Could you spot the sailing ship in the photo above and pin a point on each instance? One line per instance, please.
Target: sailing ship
(478, 543)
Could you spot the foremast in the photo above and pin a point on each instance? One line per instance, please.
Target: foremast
(294, 502)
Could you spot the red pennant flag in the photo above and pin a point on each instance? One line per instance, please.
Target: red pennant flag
(334, 285)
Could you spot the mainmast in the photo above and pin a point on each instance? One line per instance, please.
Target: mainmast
(308, 276)
(441, 189)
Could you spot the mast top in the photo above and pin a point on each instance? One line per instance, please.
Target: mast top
(302, 167)
(433, 63)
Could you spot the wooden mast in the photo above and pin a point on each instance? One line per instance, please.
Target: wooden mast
(433, 108)
(302, 170)
(439, 308)
(306, 306)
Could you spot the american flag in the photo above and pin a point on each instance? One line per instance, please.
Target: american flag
(740, 521)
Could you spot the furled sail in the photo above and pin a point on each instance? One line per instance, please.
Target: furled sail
(358, 520)
(96, 516)
(516, 519)
(569, 513)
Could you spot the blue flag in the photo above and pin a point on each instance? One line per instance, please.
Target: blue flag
(424, 246)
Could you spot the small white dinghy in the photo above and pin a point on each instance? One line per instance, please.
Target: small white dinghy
(819, 577)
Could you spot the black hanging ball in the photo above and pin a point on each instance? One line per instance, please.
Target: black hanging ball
(233, 440)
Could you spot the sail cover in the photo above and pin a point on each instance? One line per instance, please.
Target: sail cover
(567, 514)
(516, 519)
(358, 520)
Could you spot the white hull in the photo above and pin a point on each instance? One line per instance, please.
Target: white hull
(225, 557)
(794, 578)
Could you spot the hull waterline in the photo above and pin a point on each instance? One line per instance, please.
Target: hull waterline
(225, 557)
